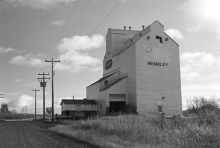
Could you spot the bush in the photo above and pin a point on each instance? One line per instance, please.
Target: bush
(209, 117)
(201, 104)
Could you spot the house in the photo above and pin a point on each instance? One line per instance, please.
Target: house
(141, 73)
(69, 106)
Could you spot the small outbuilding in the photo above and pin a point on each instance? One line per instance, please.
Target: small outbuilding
(69, 106)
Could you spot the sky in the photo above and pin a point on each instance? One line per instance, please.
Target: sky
(73, 31)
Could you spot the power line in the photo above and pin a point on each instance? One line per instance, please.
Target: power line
(79, 17)
(92, 32)
(90, 18)
(93, 16)
(63, 27)
(1, 96)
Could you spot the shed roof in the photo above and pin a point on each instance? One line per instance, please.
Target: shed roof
(103, 78)
(71, 101)
(113, 83)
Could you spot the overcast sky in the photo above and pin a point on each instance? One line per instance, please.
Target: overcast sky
(74, 32)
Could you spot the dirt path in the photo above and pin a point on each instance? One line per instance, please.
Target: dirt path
(28, 135)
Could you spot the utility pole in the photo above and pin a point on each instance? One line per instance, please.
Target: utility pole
(52, 61)
(26, 110)
(35, 100)
(43, 84)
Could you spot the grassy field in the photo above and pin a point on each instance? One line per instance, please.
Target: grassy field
(11, 116)
(15, 116)
(133, 131)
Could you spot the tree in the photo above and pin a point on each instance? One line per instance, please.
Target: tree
(14, 112)
(201, 104)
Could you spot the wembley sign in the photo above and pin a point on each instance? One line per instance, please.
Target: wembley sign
(157, 64)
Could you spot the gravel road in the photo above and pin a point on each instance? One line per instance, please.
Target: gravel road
(29, 135)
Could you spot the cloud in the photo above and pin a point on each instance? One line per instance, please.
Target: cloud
(218, 63)
(174, 33)
(193, 63)
(203, 15)
(40, 4)
(209, 77)
(18, 80)
(197, 90)
(19, 102)
(28, 60)
(199, 68)
(3, 100)
(58, 23)
(13, 94)
(190, 75)
(31, 84)
(81, 43)
(74, 53)
(25, 100)
(77, 62)
(5, 50)
(97, 69)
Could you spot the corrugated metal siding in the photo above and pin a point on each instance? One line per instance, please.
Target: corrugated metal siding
(117, 97)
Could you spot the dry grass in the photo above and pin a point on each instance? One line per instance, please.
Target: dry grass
(15, 116)
(133, 131)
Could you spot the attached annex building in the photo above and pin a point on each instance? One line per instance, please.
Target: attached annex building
(141, 73)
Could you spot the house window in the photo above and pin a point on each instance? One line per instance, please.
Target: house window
(160, 108)
(78, 107)
(94, 106)
(106, 82)
(100, 106)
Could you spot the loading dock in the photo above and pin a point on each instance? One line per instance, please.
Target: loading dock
(117, 106)
(117, 102)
